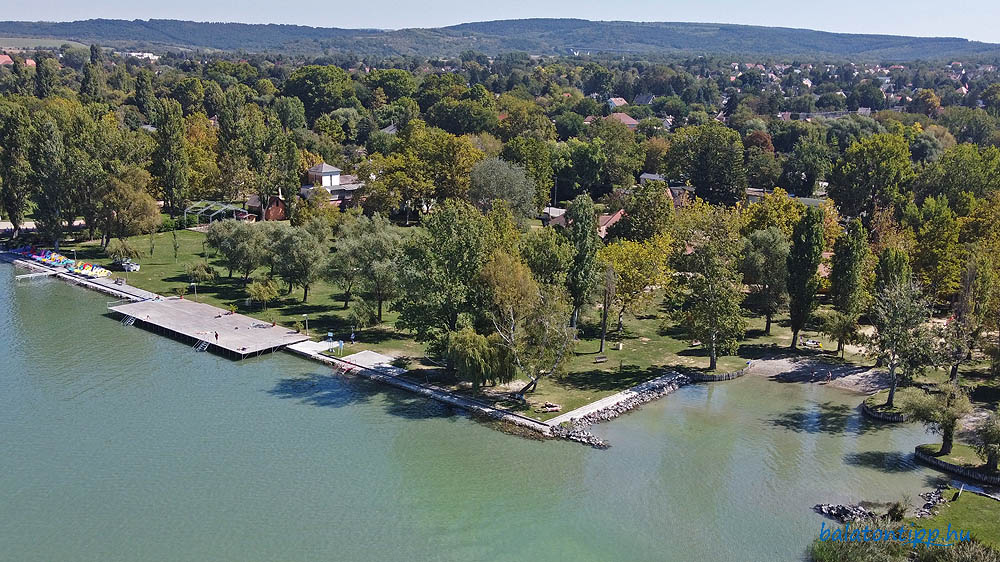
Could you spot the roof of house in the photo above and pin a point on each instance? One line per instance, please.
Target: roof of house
(646, 176)
(390, 130)
(323, 168)
(643, 99)
(624, 118)
(604, 222)
(5, 59)
(617, 101)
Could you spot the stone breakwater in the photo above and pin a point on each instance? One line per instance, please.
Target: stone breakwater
(932, 499)
(844, 513)
(578, 429)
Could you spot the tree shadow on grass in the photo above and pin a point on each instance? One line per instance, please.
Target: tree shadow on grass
(332, 391)
(616, 379)
(891, 462)
(818, 417)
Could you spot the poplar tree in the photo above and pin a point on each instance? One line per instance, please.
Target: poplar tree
(803, 264)
(851, 269)
(584, 274)
(170, 158)
(15, 166)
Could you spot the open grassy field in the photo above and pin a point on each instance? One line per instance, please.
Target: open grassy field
(970, 512)
(651, 343)
(35, 42)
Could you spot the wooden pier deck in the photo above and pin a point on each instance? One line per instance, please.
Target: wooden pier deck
(239, 336)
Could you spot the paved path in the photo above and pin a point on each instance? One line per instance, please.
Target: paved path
(609, 401)
(377, 372)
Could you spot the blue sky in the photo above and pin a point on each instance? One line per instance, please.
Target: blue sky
(972, 19)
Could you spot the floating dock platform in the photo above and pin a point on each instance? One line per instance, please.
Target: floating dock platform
(239, 336)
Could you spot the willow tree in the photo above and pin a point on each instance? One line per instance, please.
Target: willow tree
(940, 412)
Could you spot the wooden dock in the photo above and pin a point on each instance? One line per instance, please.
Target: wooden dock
(239, 336)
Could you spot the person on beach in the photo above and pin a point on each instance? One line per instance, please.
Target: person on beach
(216, 337)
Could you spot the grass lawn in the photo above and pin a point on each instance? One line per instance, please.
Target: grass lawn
(877, 401)
(970, 512)
(961, 455)
(651, 344)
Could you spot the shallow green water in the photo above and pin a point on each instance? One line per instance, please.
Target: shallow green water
(120, 444)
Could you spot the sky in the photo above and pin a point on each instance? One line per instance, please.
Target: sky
(971, 19)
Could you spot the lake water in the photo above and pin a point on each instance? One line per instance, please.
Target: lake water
(120, 444)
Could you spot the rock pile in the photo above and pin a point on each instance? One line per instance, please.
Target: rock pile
(844, 513)
(932, 499)
(578, 429)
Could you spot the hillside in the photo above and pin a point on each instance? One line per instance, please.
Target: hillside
(536, 36)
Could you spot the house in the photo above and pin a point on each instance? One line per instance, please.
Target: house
(324, 175)
(615, 103)
(624, 119)
(550, 213)
(604, 222)
(390, 130)
(338, 194)
(6, 60)
(276, 209)
(646, 176)
(643, 99)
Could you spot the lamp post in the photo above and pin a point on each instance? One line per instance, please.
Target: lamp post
(306, 316)
(195, 287)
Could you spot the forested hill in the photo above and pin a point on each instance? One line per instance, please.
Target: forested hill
(536, 36)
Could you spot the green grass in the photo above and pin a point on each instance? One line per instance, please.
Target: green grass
(961, 455)
(978, 514)
(33, 42)
(877, 400)
(651, 344)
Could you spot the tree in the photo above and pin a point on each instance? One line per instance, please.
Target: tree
(893, 269)
(93, 86)
(129, 209)
(535, 156)
(300, 258)
(368, 251)
(122, 250)
(46, 72)
(765, 270)
(709, 157)
(648, 210)
(522, 317)
(15, 163)
(581, 230)
(898, 315)
(51, 183)
(870, 176)
(241, 244)
(988, 441)
(291, 113)
(775, 209)
(548, 254)
(851, 271)
(145, 97)
(170, 158)
(625, 155)
(321, 89)
(495, 179)
(937, 260)
(763, 168)
(805, 166)
(925, 102)
(940, 412)
(439, 268)
(842, 328)
(190, 93)
(639, 268)
(803, 264)
(712, 312)
(477, 359)
(262, 291)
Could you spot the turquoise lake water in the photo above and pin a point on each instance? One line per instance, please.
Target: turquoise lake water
(120, 444)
